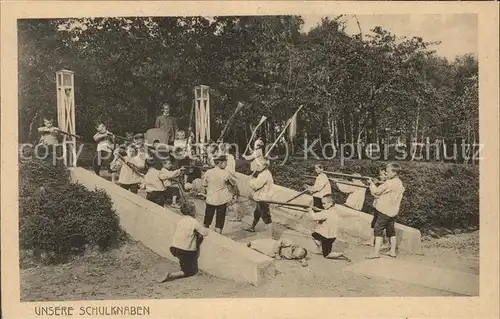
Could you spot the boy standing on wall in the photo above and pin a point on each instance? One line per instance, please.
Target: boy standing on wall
(387, 204)
(49, 138)
(104, 151)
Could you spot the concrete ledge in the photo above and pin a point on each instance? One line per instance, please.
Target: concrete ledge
(354, 224)
(154, 226)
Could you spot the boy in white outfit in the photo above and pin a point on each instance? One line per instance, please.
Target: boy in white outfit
(321, 187)
(326, 231)
(387, 204)
(262, 186)
(129, 166)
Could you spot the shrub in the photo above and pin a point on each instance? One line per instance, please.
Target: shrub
(66, 218)
(437, 194)
(35, 173)
(60, 217)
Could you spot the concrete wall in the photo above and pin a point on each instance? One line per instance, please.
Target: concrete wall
(354, 224)
(154, 226)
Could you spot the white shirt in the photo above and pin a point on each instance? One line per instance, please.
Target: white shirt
(328, 221)
(216, 181)
(388, 196)
(105, 143)
(255, 157)
(184, 236)
(322, 186)
(262, 185)
(356, 196)
(128, 175)
(48, 137)
(158, 180)
(181, 144)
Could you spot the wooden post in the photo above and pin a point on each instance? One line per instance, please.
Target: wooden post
(202, 114)
(65, 85)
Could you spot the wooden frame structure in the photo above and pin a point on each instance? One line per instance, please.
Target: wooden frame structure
(65, 86)
(202, 114)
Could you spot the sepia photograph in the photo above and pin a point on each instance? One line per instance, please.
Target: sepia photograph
(318, 155)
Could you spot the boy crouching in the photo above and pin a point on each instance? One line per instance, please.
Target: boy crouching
(325, 232)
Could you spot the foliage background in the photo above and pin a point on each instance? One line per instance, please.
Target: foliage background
(356, 88)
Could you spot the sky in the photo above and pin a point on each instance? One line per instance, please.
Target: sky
(458, 33)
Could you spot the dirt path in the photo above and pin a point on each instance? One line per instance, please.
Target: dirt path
(127, 273)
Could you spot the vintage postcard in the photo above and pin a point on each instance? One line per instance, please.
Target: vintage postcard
(249, 159)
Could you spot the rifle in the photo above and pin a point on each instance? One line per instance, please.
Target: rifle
(125, 139)
(341, 181)
(130, 165)
(68, 134)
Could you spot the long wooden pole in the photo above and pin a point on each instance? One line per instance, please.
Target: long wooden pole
(254, 132)
(294, 197)
(340, 181)
(347, 175)
(283, 131)
(290, 205)
(238, 109)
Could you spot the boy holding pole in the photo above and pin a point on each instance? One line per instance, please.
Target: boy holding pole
(257, 154)
(261, 184)
(220, 192)
(49, 139)
(386, 206)
(325, 232)
(321, 187)
(130, 167)
(158, 178)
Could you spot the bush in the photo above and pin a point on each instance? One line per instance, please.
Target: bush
(61, 217)
(35, 173)
(438, 195)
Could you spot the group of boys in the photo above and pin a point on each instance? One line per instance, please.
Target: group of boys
(140, 167)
